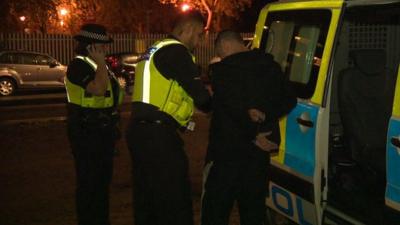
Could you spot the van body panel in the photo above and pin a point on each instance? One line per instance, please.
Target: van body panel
(300, 151)
(396, 101)
(392, 194)
(326, 57)
(314, 49)
(300, 139)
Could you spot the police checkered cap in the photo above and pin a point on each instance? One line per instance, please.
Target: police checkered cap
(93, 33)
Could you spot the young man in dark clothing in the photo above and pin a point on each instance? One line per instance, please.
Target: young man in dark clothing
(250, 95)
(165, 90)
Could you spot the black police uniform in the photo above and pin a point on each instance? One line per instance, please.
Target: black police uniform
(162, 194)
(92, 134)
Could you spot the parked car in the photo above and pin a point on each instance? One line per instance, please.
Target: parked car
(123, 65)
(24, 69)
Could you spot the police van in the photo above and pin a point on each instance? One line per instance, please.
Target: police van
(339, 160)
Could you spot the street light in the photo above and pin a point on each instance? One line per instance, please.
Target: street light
(63, 12)
(22, 18)
(185, 7)
(63, 16)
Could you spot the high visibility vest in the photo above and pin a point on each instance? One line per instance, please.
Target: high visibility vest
(77, 95)
(153, 88)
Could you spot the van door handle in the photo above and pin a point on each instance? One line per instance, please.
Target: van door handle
(304, 122)
(395, 141)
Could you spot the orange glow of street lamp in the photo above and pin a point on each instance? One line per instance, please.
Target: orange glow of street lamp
(63, 12)
(185, 7)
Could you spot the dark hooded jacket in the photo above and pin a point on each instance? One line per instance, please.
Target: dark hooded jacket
(242, 81)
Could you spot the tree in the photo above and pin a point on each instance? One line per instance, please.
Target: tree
(139, 16)
(36, 14)
(215, 9)
(9, 22)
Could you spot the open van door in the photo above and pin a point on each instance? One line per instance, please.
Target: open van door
(392, 195)
(300, 36)
(340, 153)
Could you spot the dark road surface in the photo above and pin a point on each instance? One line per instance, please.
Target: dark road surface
(39, 107)
(36, 168)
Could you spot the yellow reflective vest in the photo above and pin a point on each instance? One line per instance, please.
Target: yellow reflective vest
(77, 95)
(151, 87)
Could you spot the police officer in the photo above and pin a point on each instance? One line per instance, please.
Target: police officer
(167, 86)
(93, 96)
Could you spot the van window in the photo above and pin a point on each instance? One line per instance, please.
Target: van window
(296, 40)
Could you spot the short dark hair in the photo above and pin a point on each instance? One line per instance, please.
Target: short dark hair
(228, 35)
(192, 17)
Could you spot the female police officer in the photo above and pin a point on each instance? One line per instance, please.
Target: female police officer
(93, 95)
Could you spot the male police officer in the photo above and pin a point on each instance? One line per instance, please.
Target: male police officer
(93, 95)
(165, 91)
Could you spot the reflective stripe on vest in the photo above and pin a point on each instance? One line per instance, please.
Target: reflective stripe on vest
(153, 88)
(77, 95)
(146, 72)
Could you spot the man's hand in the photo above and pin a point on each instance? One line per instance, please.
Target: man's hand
(256, 115)
(263, 143)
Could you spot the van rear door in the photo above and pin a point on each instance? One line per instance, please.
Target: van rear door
(301, 35)
(392, 196)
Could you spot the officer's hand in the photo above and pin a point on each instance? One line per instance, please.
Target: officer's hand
(263, 143)
(96, 52)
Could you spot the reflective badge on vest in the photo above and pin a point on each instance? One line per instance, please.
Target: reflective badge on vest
(148, 53)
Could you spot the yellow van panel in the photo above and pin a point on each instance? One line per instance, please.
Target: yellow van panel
(334, 6)
(280, 157)
(281, 6)
(306, 4)
(396, 101)
(326, 55)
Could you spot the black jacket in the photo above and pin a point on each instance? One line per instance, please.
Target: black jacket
(240, 82)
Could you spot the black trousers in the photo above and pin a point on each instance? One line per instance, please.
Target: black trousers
(162, 194)
(93, 150)
(227, 182)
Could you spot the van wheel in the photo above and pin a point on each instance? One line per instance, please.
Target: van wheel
(7, 86)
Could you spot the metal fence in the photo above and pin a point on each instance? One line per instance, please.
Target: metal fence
(61, 46)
